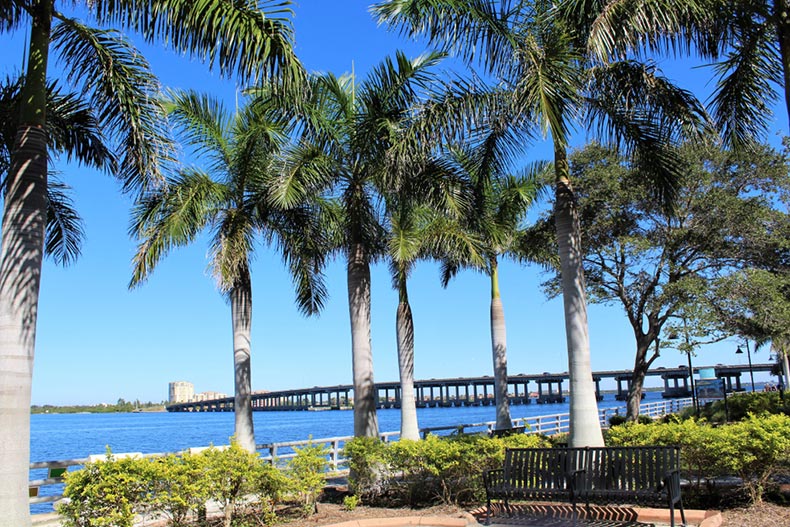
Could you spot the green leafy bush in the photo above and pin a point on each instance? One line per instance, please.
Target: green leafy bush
(179, 487)
(754, 449)
(740, 406)
(365, 457)
(307, 472)
(107, 493)
(233, 475)
(110, 493)
(446, 469)
(617, 420)
(350, 502)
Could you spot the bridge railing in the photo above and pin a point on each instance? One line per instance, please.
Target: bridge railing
(48, 486)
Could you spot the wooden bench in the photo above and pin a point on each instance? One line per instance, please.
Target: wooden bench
(600, 475)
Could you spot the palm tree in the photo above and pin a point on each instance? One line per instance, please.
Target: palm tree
(233, 200)
(348, 130)
(500, 203)
(419, 216)
(553, 81)
(236, 36)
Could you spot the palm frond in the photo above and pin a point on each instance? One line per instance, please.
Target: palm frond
(477, 30)
(64, 231)
(304, 242)
(123, 93)
(633, 106)
(72, 129)
(172, 216)
(12, 15)
(610, 28)
(745, 88)
(252, 40)
(202, 122)
(549, 82)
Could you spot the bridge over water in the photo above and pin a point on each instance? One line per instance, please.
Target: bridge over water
(468, 391)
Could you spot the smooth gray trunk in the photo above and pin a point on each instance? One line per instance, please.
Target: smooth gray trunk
(241, 314)
(499, 354)
(404, 323)
(585, 427)
(358, 272)
(21, 259)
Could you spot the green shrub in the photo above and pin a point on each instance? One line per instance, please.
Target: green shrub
(307, 473)
(107, 493)
(365, 457)
(740, 406)
(761, 446)
(233, 475)
(754, 449)
(179, 486)
(350, 502)
(446, 469)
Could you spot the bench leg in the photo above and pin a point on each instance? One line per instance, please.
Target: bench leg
(488, 511)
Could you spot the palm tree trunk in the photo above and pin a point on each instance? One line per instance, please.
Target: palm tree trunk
(241, 314)
(358, 272)
(585, 428)
(499, 352)
(781, 14)
(21, 258)
(404, 325)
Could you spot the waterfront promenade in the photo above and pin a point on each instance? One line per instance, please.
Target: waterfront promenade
(470, 391)
(47, 476)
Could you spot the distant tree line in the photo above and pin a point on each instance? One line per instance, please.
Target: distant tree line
(121, 406)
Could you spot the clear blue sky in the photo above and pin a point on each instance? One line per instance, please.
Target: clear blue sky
(98, 341)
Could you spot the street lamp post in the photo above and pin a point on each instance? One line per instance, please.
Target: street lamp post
(739, 351)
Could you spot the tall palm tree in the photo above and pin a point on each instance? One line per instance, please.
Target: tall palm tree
(419, 216)
(238, 37)
(233, 200)
(348, 130)
(554, 80)
(500, 203)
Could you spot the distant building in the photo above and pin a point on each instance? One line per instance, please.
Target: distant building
(181, 392)
(208, 396)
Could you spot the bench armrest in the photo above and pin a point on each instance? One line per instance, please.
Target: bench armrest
(672, 484)
(494, 477)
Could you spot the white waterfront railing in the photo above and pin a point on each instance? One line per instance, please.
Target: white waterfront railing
(280, 453)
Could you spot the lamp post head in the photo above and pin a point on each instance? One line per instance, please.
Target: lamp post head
(739, 351)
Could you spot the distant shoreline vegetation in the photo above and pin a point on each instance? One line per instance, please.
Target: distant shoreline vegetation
(121, 406)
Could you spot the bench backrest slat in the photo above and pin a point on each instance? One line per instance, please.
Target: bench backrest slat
(627, 469)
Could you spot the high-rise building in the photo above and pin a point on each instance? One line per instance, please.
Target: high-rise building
(181, 392)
